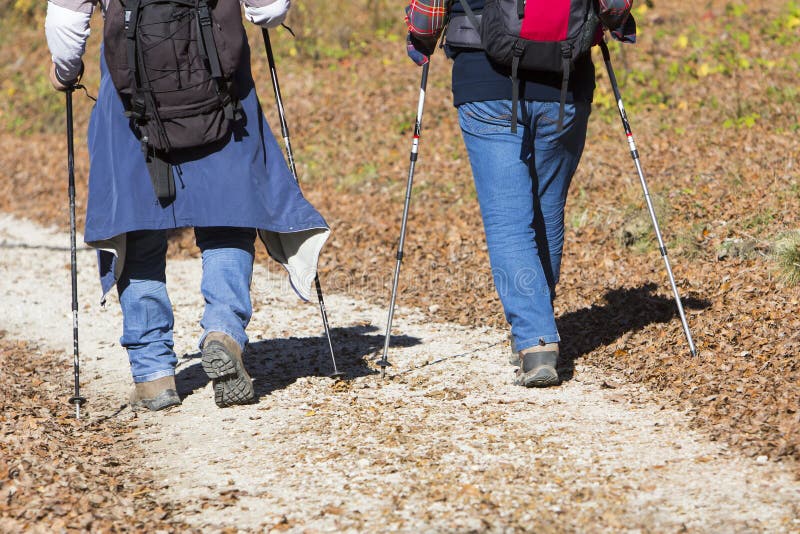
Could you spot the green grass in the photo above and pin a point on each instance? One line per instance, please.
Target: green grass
(786, 255)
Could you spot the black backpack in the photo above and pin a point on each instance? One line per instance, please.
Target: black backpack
(536, 35)
(173, 63)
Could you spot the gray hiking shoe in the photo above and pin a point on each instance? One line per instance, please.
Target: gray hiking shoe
(537, 368)
(155, 395)
(222, 362)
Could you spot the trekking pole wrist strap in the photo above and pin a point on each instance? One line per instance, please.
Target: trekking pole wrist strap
(72, 82)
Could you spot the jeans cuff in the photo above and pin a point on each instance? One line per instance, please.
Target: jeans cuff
(532, 342)
(241, 341)
(153, 376)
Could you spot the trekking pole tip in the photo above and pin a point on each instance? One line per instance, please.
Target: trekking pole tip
(337, 375)
(78, 402)
(383, 364)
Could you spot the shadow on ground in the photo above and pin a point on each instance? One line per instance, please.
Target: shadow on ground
(277, 363)
(625, 310)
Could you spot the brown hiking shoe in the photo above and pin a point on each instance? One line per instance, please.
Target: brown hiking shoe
(222, 362)
(155, 395)
(537, 366)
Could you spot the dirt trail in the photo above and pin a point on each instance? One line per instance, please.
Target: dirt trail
(446, 444)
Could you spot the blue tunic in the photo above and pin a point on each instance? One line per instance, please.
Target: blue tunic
(245, 183)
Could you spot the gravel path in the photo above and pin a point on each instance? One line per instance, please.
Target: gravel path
(445, 443)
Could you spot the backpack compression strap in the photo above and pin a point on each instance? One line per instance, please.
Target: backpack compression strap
(518, 50)
(131, 20)
(208, 49)
(471, 15)
(142, 99)
(566, 53)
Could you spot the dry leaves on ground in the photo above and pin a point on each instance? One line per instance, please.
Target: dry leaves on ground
(59, 474)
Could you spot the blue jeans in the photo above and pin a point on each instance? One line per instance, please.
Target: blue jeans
(147, 311)
(522, 181)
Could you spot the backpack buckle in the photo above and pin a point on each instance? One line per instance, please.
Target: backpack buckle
(204, 14)
(137, 110)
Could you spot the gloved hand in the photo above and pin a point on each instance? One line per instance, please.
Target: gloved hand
(614, 12)
(63, 85)
(616, 17)
(413, 52)
(270, 14)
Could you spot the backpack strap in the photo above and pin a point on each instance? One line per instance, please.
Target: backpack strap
(473, 18)
(131, 25)
(208, 49)
(518, 51)
(142, 99)
(566, 54)
(161, 175)
(208, 46)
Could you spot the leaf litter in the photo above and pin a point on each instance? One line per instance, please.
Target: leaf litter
(722, 183)
(60, 474)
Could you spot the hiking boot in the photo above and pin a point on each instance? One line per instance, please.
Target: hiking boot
(538, 366)
(155, 395)
(222, 362)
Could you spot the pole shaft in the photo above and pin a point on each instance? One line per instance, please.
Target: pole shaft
(404, 222)
(73, 255)
(650, 208)
(293, 168)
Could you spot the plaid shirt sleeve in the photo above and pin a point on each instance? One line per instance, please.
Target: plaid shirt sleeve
(426, 18)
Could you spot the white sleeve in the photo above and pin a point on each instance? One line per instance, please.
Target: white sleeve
(67, 32)
(266, 13)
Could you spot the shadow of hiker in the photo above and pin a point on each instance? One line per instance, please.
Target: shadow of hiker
(276, 363)
(625, 310)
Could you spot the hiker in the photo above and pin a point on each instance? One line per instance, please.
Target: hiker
(522, 174)
(229, 190)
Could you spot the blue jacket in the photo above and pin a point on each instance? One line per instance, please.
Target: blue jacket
(246, 183)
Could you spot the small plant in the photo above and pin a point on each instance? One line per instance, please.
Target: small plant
(760, 220)
(787, 257)
(636, 231)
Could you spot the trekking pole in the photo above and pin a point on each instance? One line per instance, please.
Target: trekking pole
(635, 156)
(384, 363)
(285, 132)
(76, 399)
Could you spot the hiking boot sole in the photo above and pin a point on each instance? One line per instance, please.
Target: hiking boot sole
(538, 369)
(232, 384)
(538, 378)
(164, 400)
